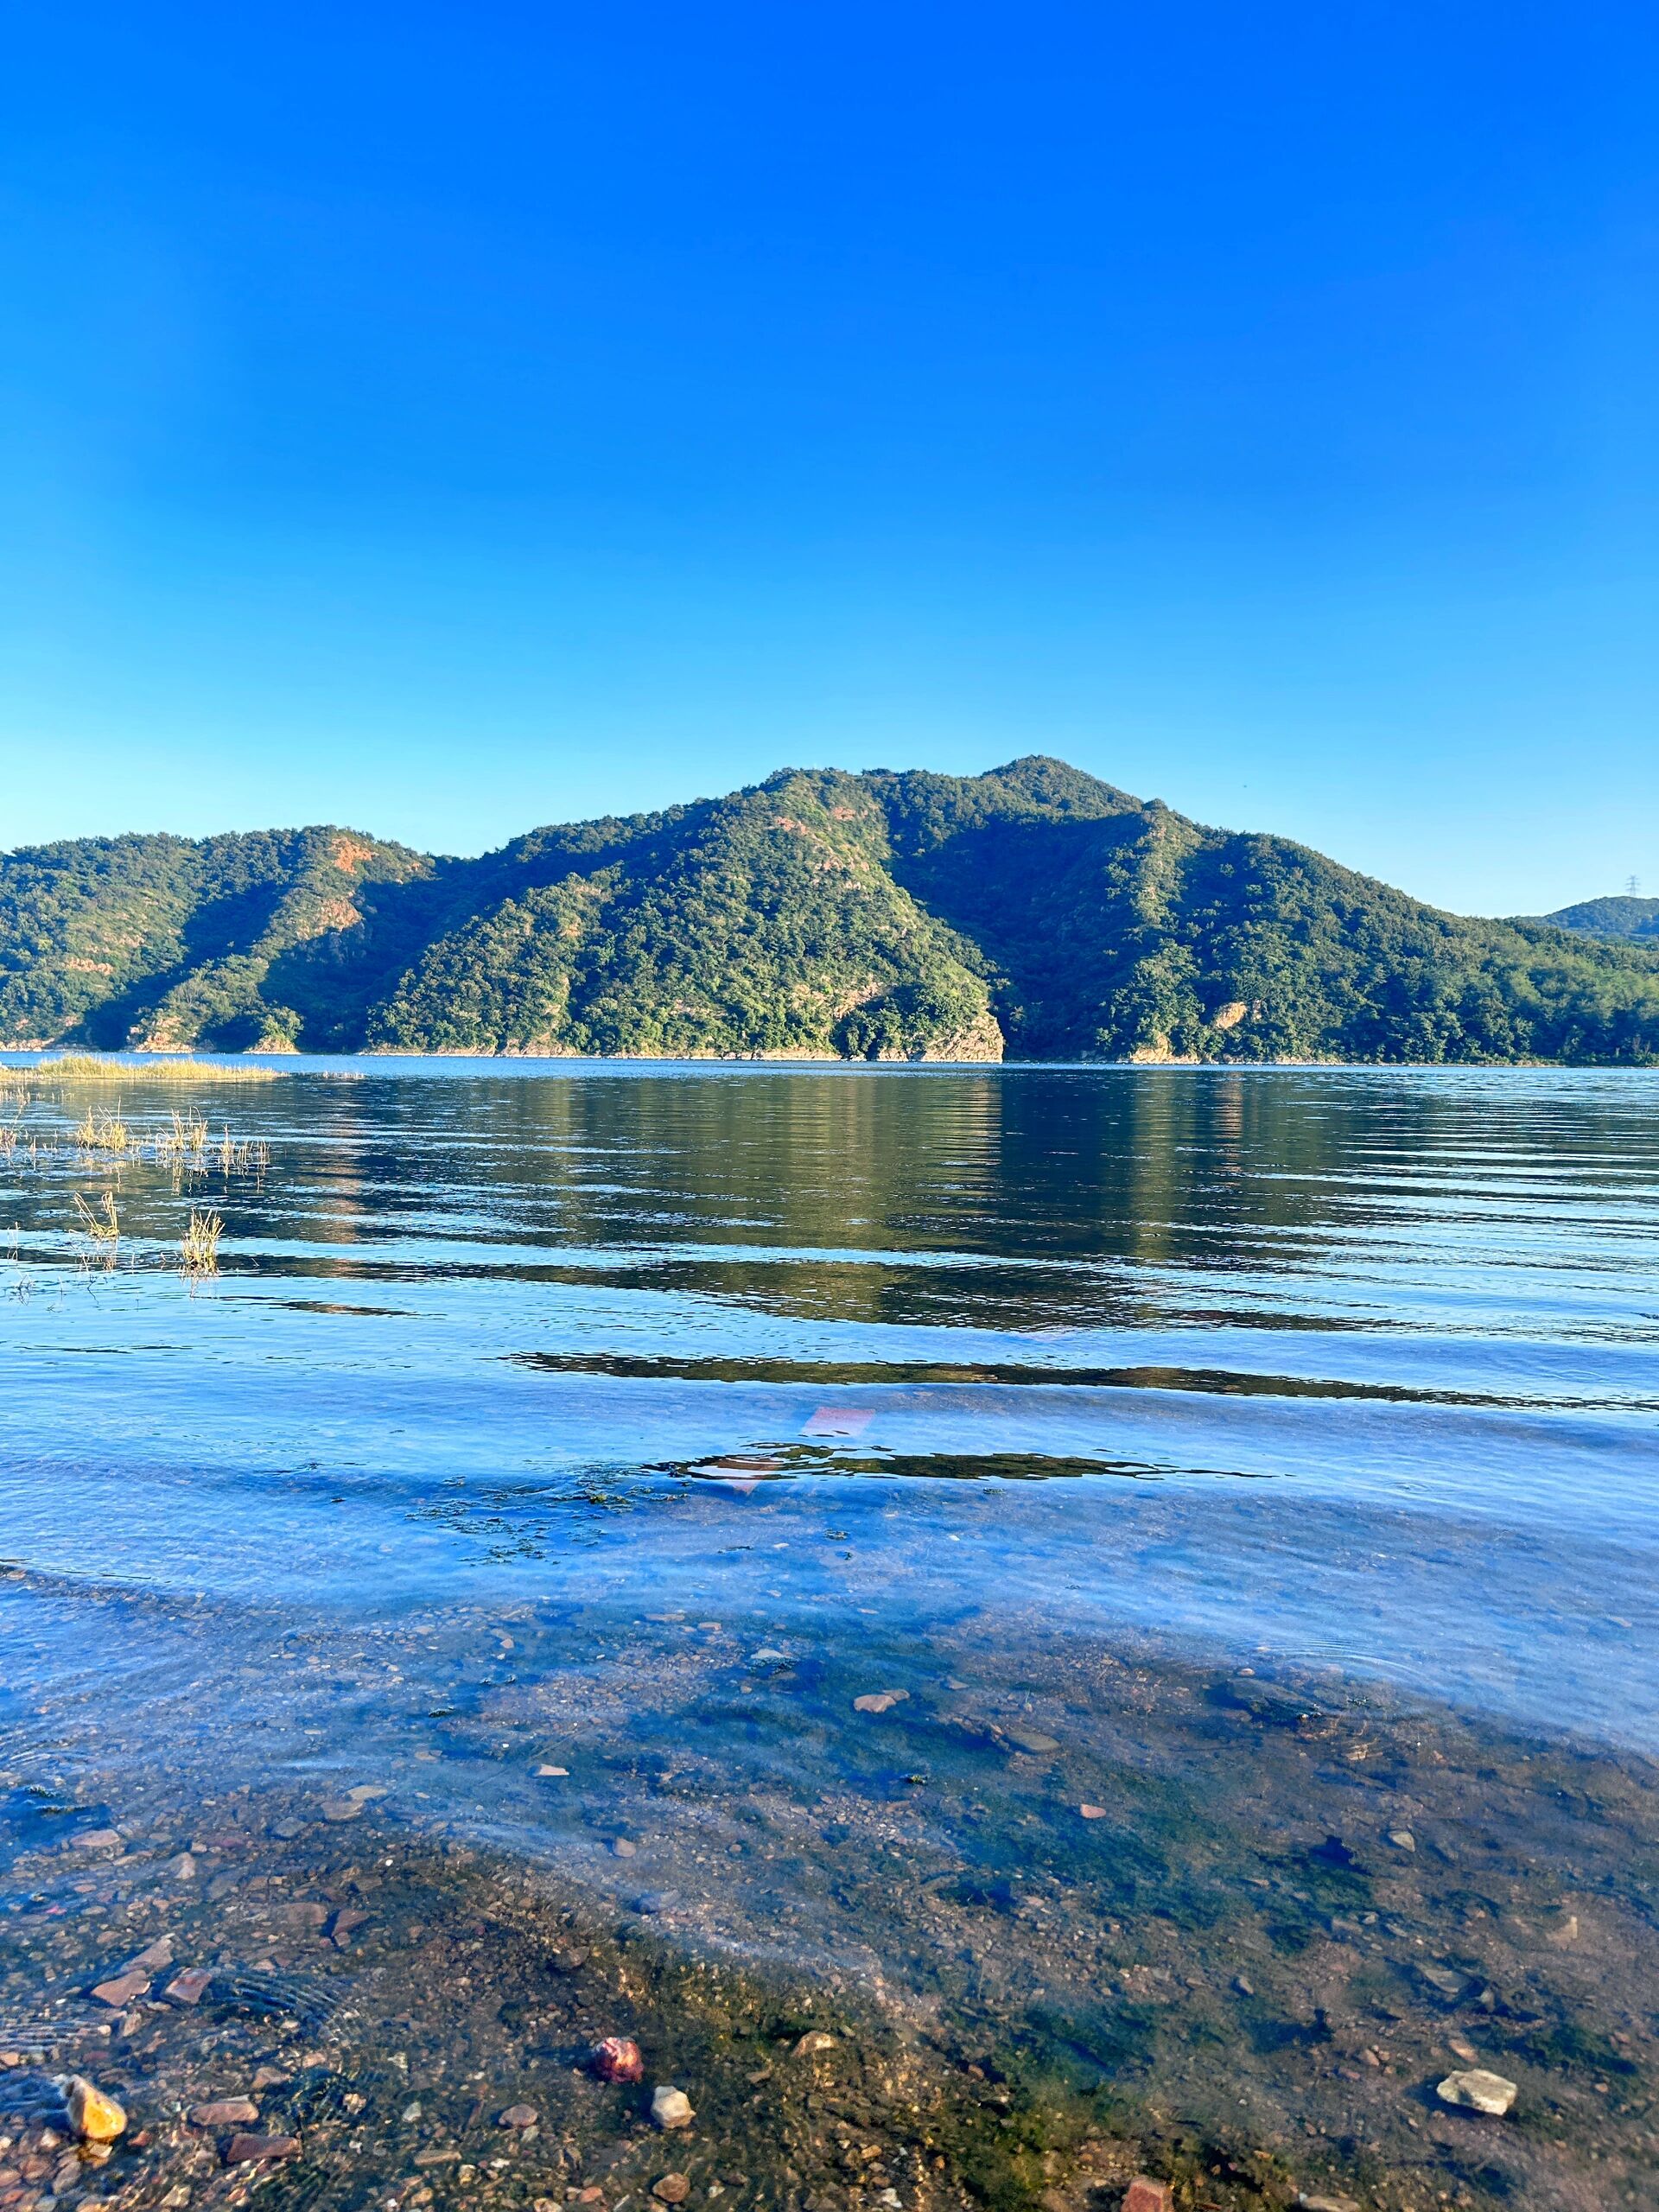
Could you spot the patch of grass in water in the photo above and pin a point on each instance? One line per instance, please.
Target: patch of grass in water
(93, 1067)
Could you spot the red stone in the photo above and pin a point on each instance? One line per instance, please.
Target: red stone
(243, 2150)
(1146, 2196)
(187, 1988)
(225, 2111)
(617, 2059)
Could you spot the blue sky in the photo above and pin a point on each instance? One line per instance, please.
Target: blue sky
(443, 420)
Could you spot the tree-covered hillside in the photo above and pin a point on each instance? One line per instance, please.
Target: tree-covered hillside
(1033, 910)
(1623, 915)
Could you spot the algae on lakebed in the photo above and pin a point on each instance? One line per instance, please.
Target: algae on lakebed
(1239, 1977)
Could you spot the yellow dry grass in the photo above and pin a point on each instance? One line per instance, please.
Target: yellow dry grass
(94, 1067)
(101, 1223)
(199, 1248)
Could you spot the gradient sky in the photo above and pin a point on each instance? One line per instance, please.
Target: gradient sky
(446, 419)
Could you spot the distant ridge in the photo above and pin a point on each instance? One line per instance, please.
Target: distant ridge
(1623, 916)
(1032, 911)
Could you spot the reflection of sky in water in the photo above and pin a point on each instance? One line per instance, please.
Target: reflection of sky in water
(479, 1340)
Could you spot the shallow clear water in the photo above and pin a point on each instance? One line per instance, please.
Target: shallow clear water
(631, 1420)
(1359, 1365)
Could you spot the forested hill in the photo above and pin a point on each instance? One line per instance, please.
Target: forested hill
(1033, 912)
(1623, 915)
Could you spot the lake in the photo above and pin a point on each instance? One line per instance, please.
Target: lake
(1018, 1625)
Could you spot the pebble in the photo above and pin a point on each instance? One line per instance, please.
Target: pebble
(672, 2189)
(245, 2150)
(617, 2059)
(1307, 2204)
(183, 1868)
(1477, 2091)
(552, 1773)
(670, 2107)
(1245, 1987)
(153, 1957)
(878, 1701)
(812, 2041)
(518, 2116)
(338, 1810)
(1092, 1812)
(768, 1651)
(1402, 1838)
(225, 2111)
(623, 1848)
(187, 1988)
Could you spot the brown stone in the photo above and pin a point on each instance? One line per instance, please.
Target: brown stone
(225, 2111)
(300, 1915)
(187, 1988)
(672, 2189)
(518, 2116)
(121, 1990)
(1144, 2194)
(243, 2150)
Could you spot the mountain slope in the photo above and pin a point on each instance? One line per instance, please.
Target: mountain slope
(893, 915)
(1622, 916)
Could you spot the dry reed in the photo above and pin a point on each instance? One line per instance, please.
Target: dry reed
(95, 1067)
(103, 1133)
(199, 1248)
(101, 1223)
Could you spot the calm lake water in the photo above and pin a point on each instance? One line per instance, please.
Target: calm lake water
(1264, 1460)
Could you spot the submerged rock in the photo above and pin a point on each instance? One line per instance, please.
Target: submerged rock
(670, 2107)
(225, 2111)
(1145, 2194)
(880, 1700)
(94, 2117)
(617, 2059)
(1028, 1739)
(249, 2150)
(1477, 2090)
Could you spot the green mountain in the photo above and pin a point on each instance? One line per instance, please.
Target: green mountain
(1033, 912)
(1621, 916)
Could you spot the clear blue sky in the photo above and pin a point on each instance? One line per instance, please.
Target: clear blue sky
(445, 419)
